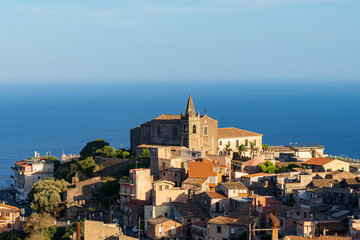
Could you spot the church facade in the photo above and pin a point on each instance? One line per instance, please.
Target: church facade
(193, 131)
(188, 129)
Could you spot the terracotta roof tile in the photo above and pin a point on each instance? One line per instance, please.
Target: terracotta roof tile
(318, 161)
(168, 117)
(232, 132)
(158, 220)
(256, 175)
(216, 195)
(194, 181)
(234, 185)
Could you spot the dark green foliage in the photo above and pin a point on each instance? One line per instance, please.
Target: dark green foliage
(265, 147)
(125, 154)
(87, 165)
(13, 235)
(110, 188)
(106, 151)
(45, 194)
(90, 149)
(241, 149)
(145, 153)
(269, 167)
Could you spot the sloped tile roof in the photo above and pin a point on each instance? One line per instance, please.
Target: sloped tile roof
(234, 185)
(318, 161)
(168, 117)
(216, 195)
(232, 132)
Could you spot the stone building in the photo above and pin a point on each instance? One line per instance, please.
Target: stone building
(190, 130)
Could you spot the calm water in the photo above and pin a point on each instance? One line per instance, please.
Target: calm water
(62, 117)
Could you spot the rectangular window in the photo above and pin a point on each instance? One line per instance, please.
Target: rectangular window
(237, 143)
(167, 187)
(175, 174)
(220, 143)
(305, 215)
(232, 230)
(246, 142)
(218, 229)
(255, 142)
(205, 131)
(9, 225)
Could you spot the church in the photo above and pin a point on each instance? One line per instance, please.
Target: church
(193, 131)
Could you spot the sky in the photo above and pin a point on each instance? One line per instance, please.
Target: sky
(86, 40)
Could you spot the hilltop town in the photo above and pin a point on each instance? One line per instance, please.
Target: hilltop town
(184, 178)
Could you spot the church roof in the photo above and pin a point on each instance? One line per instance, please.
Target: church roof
(232, 132)
(168, 117)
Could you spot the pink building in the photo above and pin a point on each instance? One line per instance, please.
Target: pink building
(137, 186)
(261, 204)
(166, 192)
(9, 218)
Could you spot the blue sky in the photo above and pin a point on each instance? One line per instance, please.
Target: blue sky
(67, 41)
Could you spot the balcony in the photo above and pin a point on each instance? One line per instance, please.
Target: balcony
(126, 181)
(128, 193)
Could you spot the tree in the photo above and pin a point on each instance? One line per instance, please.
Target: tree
(12, 235)
(106, 151)
(227, 149)
(265, 147)
(125, 154)
(45, 194)
(241, 149)
(90, 148)
(87, 165)
(145, 153)
(253, 148)
(268, 167)
(38, 222)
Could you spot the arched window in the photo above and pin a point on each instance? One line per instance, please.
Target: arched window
(194, 129)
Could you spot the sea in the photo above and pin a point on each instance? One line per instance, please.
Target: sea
(61, 117)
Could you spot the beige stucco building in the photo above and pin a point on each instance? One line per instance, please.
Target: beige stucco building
(165, 192)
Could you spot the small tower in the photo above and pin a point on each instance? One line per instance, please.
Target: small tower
(190, 126)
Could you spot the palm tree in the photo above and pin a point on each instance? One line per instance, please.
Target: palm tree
(241, 149)
(253, 148)
(227, 149)
(265, 147)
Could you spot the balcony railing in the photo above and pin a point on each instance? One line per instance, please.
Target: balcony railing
(130, 193)
(126, 181)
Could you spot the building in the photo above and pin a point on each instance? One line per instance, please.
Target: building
(196, 185)
(214, 203)
(9, 218)
(132, 211)
(95, 230)
(232, 189)
(137, 186)
(189, 130)
(230, 227)
(206, 168)
(28, 172)
(152, 211)
(163, 228)
(234, 137)
(166, 192)
(84, 190)
(326, 165)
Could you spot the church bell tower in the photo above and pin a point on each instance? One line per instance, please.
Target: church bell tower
(190, 126)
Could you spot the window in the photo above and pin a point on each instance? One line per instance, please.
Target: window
(166, 186)
(166, 214)
(160, 188)
(220, 143)
(158, 130)
(232, 230)
(185, 129)
(194, 129)
(9, 225)
(237, 143)
(175, 174)
(281, 222)
(218, 229)
(246, 142)
(305, 215)
(38, 177)
(205, 130)
(255, 142)
(164, 173)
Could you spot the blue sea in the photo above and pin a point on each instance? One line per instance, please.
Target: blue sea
(63, 117)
